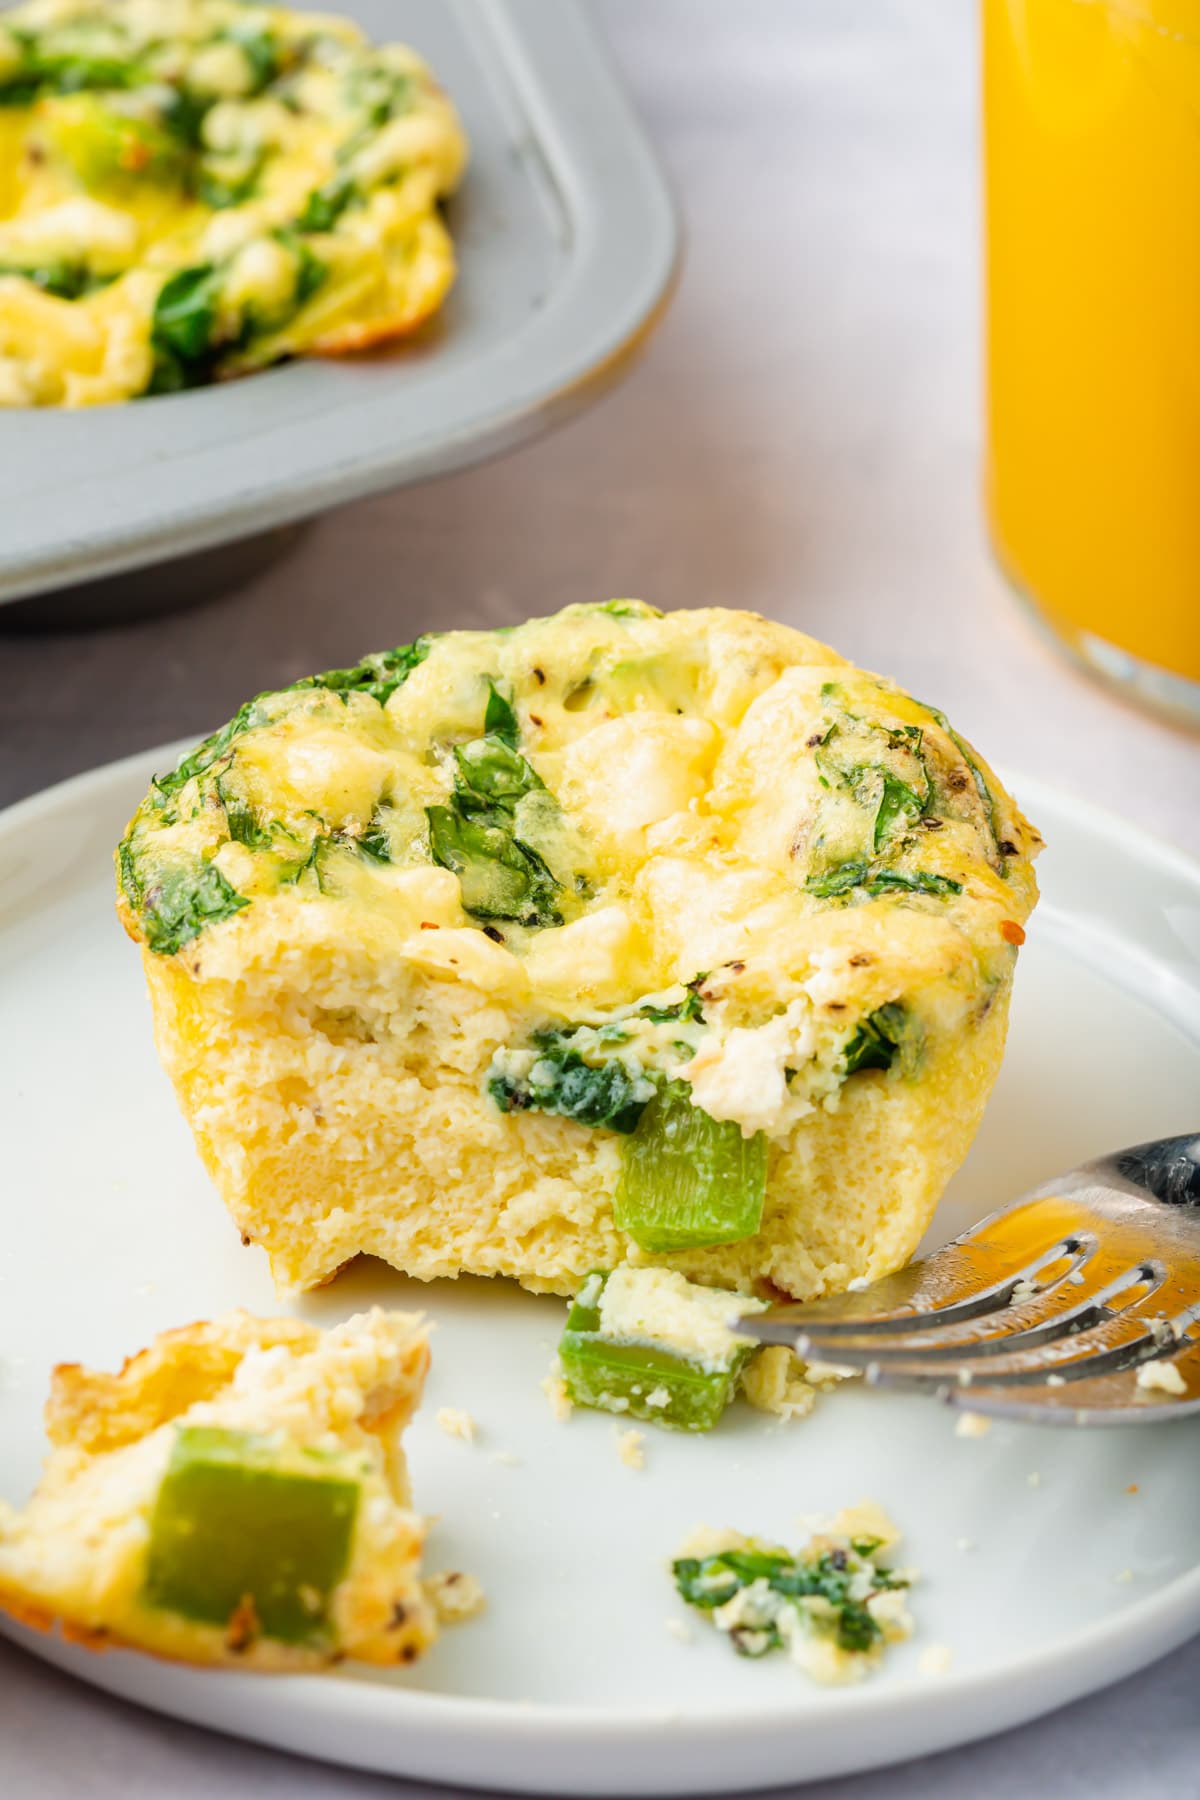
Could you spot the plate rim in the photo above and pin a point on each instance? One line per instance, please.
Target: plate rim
(933, 1714)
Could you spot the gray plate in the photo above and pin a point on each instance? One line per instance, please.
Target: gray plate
(567, 244)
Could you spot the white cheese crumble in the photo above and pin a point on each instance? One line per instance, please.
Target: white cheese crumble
(679, 1629)
(631, 1448)
(72, 228)
(555, 1390)
(972, 1425)
(456, 1423)
(935, 1660)
(262, 276)
(661, 1307)
(454, 1596)
(743, 1076)
(1161, 1377)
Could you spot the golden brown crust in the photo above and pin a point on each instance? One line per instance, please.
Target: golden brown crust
(95, 1411)
(74, 1557)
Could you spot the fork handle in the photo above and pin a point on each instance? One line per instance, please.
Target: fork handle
(1168, 1169)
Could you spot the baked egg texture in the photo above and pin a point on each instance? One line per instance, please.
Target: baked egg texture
(194, 189)
(613, 938)
(236, 1494)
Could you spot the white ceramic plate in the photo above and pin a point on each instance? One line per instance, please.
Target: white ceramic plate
(1044, 1574)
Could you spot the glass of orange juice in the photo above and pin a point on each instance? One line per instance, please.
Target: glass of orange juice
(1092, 186)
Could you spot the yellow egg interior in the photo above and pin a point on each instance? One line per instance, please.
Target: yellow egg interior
(711, 806)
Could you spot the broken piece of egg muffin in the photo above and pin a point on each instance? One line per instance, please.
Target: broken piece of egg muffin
(236, 1494)
(193, 189)
(612, 938)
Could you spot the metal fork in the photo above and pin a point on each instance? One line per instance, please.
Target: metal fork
(1046, 1310)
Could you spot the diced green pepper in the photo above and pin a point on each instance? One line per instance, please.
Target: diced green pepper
(686, 1179)
(102, 145)
(640, 1381)
(240, 1524)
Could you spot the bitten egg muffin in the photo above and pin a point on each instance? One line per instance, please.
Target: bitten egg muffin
(612, 938)
(237, 1494)
(193, 189)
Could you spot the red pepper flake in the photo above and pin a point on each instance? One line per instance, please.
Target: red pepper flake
(1132, 1488)
(427, 926)
(1011, 932)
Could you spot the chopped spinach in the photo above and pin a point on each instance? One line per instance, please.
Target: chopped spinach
(379, 93)
(607, 1087)
(221, 182)
(492, 774)
(325, 205)
(65, 280)
(684, 1011)
(561, 1082)
(262, 52)
(500, 877)
(627, 609)
(874, 879)
(882, 1036)
(375, 842)
(893, 802)
(499, 719)
(987, 798)
(241, 819)
(899, 805)
(916, 881)
(378, 676)
(211, 750)
(845, 1579)
(477, 834)
(183, 330)
(177, 900)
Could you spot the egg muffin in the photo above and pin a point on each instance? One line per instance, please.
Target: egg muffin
(193, 189)
(611, 938)
(237, 1494)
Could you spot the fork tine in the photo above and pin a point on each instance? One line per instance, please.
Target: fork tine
(1116, 1342)
(913, 1296)
(937, 1343)
(1092, 1399)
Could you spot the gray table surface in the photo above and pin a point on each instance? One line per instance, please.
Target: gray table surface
(801, 438)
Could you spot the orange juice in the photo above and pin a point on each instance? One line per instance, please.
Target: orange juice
(1092, 160)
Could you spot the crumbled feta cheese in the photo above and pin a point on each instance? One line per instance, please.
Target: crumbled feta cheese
(827, 1374)
(1161, 1377)
(661, 1307)
(454, 1596)
(456, 1423)
(79, 227)
(774, 1382)
(935, 1660)
(631, 1448)
(972, 1425)
(262, 276)
(555, 1390)
(221, 69)
(658, 1397)
(743, 1075)
(679, 1629)
(508, 1458)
